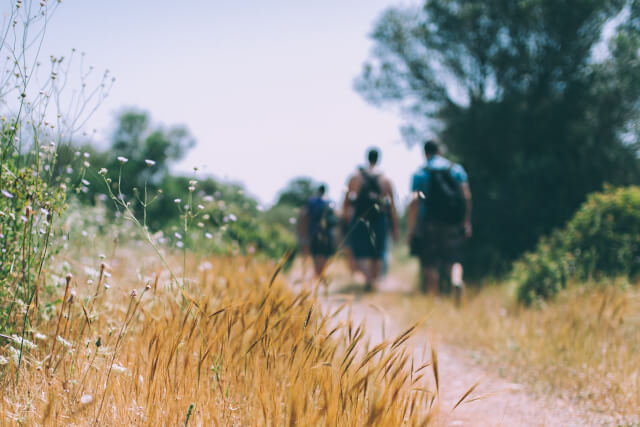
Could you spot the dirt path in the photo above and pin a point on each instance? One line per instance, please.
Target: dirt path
(503, 404)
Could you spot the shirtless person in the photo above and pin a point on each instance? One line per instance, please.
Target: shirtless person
(370, 211)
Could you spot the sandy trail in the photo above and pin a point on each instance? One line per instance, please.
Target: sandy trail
(503, 404)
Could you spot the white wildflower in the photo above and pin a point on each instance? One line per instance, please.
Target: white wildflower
(25, 343)
(149, 162)
(64, 342)
(103, 171)
(86, 398)
(208, 235)
(118, 369)
(122, 159)
(6, 194)
(3, 360)
(15, 355)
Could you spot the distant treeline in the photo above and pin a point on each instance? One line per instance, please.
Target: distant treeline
(135, 168)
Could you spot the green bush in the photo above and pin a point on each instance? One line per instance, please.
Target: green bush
(28, 207)
(602, 240)
(542, 273)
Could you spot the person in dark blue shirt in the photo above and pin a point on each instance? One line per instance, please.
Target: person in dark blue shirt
(319, 219)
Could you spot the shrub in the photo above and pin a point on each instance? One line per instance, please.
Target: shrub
(602, 240)
(542, 273)
(604, 235)
(36, 119)
(28, 206)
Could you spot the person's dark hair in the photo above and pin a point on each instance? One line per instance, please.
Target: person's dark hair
(373, 155)
(322, 189)
(431, 148)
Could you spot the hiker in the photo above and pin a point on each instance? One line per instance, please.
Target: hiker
(370, 211)
(439, 219)
(318, 220)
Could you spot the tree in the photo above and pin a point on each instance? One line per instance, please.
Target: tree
(297, 192)
(536, 100)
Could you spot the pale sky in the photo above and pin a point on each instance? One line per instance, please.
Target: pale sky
(265, 87)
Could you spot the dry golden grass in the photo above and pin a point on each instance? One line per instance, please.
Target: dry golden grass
(584, 346)
(236, 347)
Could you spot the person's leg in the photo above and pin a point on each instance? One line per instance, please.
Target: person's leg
(351, 262)
(368, 271)
(376, 272)
(453, 253)
(430, 279)
(456, 274)
(378, 250)
(457, 283)
(319, 261)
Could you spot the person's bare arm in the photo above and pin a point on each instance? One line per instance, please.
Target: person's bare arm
(412, 215)
(393, 213)
(466, 191)
(352, 188)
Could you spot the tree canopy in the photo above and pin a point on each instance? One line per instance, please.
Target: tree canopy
(538, 99)
(297, 192)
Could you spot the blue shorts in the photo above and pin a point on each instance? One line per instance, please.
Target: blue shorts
(368, 238)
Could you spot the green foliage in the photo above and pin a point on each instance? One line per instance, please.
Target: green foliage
(602, 240)
(28, 206)
(297, 192)
(603, 237)
(36, 118)
(132, 179)
(541, 274)
(530, 96)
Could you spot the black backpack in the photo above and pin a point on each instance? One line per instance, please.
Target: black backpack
(444, 199)
(368, 203)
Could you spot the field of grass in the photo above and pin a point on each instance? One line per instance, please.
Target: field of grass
(236, 347)
(583, 346)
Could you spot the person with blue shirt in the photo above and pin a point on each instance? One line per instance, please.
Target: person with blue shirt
(318, 220)
(436, 239)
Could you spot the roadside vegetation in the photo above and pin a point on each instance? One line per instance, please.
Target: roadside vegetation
(580, 346)
(233, 346)
(131, 295)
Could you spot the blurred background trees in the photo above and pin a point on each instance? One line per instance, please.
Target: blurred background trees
(538, 99)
